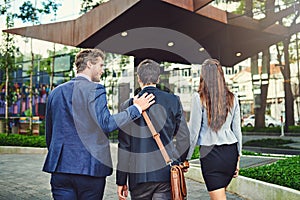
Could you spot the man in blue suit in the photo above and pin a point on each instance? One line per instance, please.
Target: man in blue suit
(77, 126)
(139, 158)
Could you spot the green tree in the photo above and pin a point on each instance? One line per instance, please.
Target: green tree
(30, 13)
(267, 7)
(273, 11)
(284, 59)
(7, 54)
(112, 74)
(87, 5)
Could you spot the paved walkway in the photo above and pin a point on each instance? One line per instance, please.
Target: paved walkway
(21, 178)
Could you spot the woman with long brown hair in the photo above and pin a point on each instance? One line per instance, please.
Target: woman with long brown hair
(215, 126)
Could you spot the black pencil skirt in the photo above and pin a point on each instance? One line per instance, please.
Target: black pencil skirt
(218, 164)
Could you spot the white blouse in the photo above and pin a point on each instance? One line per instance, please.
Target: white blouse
(202, 134)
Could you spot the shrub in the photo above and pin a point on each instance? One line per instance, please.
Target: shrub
(265, 130)
(113, 136)
(294, 129)
(291, 129)
(269, 142)
(196, 154)
(42, 127)
(34, 141)
(283, 172)
(22, 140)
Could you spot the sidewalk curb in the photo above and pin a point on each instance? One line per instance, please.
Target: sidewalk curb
(22, 150)
(267, 150)
(243, 186)
(270, 134)
(250, 188)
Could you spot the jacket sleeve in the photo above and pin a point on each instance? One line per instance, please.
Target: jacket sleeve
(109, 122)
(48, 123)
(123, 151)
(182, 134)
(194, 123)
(236, 124)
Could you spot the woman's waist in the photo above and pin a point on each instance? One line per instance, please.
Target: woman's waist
(217, 138)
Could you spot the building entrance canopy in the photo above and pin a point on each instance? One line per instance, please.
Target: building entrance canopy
(186, 31)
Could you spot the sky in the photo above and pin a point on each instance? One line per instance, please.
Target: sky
(68, 10)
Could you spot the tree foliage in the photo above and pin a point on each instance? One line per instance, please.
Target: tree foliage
(30, 13)
(87, 5)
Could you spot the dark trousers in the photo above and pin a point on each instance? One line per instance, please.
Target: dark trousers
(152, 191)
(77, 187)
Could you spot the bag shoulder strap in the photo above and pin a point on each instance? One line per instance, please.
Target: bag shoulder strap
(157, 139)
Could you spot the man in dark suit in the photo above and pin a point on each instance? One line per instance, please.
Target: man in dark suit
(77, 126)
(139, 158)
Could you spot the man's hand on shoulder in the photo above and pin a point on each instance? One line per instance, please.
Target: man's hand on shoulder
(144, 101)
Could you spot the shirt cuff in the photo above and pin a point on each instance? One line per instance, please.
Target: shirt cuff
(138, 107)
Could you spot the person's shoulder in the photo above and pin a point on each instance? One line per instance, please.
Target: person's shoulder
(167, 94)
(126, 103)
(57, 91)
(91, 86)
(98, 85)
(195, 95)
(58, 88)
(235, 100)
(236, 97)
(96, 89)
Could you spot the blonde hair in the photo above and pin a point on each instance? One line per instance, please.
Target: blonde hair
(86, 55)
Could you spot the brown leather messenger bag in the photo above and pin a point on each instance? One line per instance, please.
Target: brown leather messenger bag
(178, 186)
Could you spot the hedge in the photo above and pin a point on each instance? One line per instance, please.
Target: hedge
(270, 142)
(22, 140)
(285, 172)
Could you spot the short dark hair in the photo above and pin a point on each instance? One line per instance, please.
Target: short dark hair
(86, 55)
(148, 71)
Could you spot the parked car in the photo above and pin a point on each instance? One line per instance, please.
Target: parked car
(269, 121)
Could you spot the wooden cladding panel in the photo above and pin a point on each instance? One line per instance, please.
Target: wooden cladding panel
(186, 4)
(213, 13)
(100, 16)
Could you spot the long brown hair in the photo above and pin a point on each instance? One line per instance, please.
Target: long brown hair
(214, 93)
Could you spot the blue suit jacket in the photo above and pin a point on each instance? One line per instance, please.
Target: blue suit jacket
(139, 157)
(77, 126)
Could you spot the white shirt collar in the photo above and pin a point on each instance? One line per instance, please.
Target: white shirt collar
(148, 86)
(84, 76)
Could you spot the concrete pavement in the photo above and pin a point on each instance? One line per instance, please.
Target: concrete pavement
(22, 179)
(21, 176)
